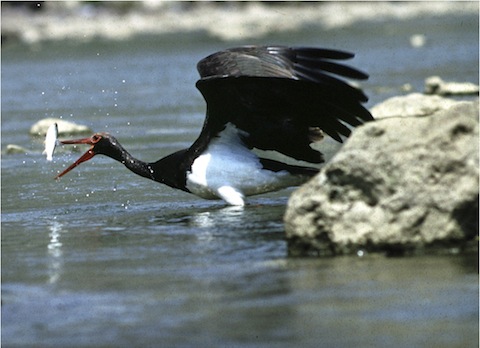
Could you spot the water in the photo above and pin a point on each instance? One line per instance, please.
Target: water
(103, 258)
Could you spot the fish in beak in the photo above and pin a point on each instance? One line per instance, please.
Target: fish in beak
(51, 141)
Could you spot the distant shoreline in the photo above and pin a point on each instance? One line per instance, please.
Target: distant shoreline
(86, 21)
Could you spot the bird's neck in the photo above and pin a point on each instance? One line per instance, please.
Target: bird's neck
(135, 165)
(169, 170)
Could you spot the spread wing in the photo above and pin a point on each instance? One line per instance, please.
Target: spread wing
(280, 97)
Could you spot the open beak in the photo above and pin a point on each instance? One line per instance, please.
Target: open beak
(85, 157)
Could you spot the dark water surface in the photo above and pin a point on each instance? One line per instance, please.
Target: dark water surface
(104, 258)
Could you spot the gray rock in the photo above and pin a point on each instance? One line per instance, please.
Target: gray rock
(398, 184)
(64, 127)
(435, 85)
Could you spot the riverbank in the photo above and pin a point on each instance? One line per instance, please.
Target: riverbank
(86, 21)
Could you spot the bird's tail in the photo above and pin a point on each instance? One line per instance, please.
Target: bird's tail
(277, 166)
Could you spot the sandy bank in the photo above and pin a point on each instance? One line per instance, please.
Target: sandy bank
(226, 21)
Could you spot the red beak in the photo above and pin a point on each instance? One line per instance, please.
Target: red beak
(85, 157)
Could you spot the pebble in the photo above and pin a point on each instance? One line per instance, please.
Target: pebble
(435, 85)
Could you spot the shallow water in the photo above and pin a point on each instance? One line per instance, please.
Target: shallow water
(103, 258)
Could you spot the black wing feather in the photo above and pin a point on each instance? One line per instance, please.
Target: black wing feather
(277, 94)
(311, 52)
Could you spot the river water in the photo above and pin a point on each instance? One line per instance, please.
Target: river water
(105, 258)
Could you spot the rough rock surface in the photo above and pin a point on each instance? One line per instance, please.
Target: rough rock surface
(399, 184)
(64, 127)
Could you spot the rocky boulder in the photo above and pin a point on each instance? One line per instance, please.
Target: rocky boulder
(399, 184)
(64, 127)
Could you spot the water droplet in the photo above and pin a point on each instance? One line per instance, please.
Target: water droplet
(125, 205)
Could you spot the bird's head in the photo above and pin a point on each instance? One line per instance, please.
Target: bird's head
(101, 144)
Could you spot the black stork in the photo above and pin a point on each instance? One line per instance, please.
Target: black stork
(265, 97)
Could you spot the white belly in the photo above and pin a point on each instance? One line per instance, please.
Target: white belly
(230, 171)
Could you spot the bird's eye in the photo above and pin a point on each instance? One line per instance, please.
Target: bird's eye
(96, 138)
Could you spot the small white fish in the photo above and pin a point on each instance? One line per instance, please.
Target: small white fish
(51, 141)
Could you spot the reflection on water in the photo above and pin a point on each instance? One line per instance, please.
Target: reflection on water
(231, 215)
(55, 260)
(207, 220)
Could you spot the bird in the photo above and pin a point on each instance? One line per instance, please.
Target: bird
(265, 97)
